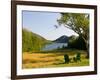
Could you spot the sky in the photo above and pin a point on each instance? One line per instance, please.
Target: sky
(42, 23)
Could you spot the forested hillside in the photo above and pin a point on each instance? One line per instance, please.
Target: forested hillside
(31, 41)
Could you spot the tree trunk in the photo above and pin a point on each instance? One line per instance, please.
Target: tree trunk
(87, 46)
(87, 49)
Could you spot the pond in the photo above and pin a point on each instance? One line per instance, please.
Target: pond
(53, 46)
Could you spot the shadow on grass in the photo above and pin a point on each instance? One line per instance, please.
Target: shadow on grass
(60, 63)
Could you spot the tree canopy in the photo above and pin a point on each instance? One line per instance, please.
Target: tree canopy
(77, 22)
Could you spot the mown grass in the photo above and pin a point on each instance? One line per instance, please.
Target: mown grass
(52, 59)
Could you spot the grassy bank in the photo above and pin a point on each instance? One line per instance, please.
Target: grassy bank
(52, 59)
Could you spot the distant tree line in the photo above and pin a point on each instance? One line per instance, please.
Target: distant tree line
(76, 42)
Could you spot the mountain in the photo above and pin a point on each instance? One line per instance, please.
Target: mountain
(62, 39)
(32, 41)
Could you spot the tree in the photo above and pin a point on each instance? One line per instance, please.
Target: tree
(77, 22)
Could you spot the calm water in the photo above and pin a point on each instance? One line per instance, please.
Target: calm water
(53, 46)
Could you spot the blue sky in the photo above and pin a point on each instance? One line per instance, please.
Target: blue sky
(42, 23)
